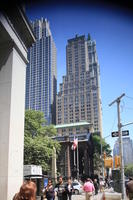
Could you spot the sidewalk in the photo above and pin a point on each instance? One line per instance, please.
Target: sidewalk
(110, 194)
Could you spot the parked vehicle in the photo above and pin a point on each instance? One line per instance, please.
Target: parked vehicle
(78, 188)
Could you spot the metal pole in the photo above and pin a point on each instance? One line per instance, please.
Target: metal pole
(121, 152)
(120, 145)
(74, 158)
(77, 161)
(126, 124)
(102, 157)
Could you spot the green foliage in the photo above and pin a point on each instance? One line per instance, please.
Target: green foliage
(129, 170)
(97, 151)
(38, 144)
(97, 145)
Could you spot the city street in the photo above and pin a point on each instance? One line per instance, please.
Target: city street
(109, 194)
(82, 197)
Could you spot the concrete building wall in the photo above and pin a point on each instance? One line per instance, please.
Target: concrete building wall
(13, 59)
(12, 92)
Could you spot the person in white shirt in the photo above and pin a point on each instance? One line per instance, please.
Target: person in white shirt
(69, 189)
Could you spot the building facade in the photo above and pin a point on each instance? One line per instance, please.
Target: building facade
(79, 162)
(78, 98)
(127, 150)
(16, 37)
(41, 78)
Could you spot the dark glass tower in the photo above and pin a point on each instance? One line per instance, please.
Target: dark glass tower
(41, 78)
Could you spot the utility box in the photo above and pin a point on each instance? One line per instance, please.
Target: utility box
(116, 176)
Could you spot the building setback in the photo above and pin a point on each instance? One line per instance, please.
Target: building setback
(41, 78)
(79, 98)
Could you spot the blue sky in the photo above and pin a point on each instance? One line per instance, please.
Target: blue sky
(113, 31)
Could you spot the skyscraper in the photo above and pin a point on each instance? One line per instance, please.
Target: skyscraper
(41, 78)
(78, 98)
(127, 150)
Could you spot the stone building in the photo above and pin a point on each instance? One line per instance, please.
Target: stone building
(16, 37)
(79, 98)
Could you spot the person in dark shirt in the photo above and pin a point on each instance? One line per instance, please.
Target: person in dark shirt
(129, 188)
(69, 189)
(61, 190)
(49, 191)
(96, 186)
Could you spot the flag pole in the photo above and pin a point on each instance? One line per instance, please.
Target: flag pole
(77, 160)
(74, 158)
(74, 153)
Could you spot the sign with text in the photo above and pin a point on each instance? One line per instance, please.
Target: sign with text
(116, 134)
(32, 170)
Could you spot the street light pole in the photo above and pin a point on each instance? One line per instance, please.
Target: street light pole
(120, 145)
(102, 158)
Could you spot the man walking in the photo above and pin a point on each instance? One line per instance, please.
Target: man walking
(89, 189)
(61, 190)
(129, 189)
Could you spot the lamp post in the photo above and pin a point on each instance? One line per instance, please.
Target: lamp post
(102, 158)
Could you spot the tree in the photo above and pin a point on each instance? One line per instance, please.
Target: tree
(129, 170)
(97, 151)
(38, 142)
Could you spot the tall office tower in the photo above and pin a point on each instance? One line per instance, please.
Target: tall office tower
(41, 81)
(78, 98)
(127, 150)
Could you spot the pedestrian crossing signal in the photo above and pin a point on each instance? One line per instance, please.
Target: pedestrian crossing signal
(117, 161)
(108, 162)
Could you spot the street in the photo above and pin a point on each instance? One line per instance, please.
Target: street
(82, 197)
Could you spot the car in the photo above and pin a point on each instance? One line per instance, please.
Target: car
(78, 188)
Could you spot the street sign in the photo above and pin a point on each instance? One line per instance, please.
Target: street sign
(116, 134)
(125, 133)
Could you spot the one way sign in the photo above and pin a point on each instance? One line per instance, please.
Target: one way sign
(116, 134)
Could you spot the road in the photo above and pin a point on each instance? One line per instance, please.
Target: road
(108, 193)
(82, 197)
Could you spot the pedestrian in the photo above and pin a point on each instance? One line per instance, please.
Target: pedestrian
(69, 189)
(27, 191)
(129, 188)
(89, 189)
(107, 182)
(49, 192)
(102, 184)
(96, 186)
(61, 189)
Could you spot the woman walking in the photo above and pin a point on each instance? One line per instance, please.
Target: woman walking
(27, 191)
(69, 189)
(49, 191)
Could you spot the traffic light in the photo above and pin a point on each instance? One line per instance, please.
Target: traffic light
(117, 161)
(108, 162)
(104, 154)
